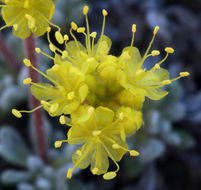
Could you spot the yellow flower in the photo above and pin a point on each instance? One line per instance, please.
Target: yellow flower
(27, 16)
(66, 92)
(101, 138)
(137, 79)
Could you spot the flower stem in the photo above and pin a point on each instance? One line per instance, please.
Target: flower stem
(37, 115)
(8, 55)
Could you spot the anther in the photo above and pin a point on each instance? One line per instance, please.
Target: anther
(184, 74)
(156, 30)
(94, 171)
(52, 47)
(81, 30)
(157, 66)
(104, 12)
(115, 146)
(57, 144)
(66, 38)
(169, 50)
(93, 34)
(27, 62)
(64, 54)
(62, 120)
(69, 173)
(44, 103)
(109, 175)
(16, 113)
(48, 29)
(134, 28)
(134, 153)
(27, 81)
(73, 26)
(166, 82)
(79, 153)
(96, 132)
(155, 52)
(59, 37)
(85, 9)
(38, 50)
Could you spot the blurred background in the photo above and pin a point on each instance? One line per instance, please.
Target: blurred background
(169, 141)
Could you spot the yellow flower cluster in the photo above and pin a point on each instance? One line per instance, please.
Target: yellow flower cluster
(102, 93)
(27, 16)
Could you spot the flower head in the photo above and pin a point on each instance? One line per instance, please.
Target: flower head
(103, 94)
(27, 16)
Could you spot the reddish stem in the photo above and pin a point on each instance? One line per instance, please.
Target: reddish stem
(8, 55)
(37, 115)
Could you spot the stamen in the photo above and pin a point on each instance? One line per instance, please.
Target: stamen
(169, 50)
(27, 62)
(69, 174)
(52, 47)
(16, 113)
(38, 50)
(74, 26)
(85, 10)
(184, 74)
(166, 82)
(62, 120)
(57, 144)
(64, 54)
(93, 35)
(81, 30)
(27, 81)
(149, 47)
(155, 53)
(59, 37)
(134, 153)
(104, 12)
(109, 175)
(133, 35)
